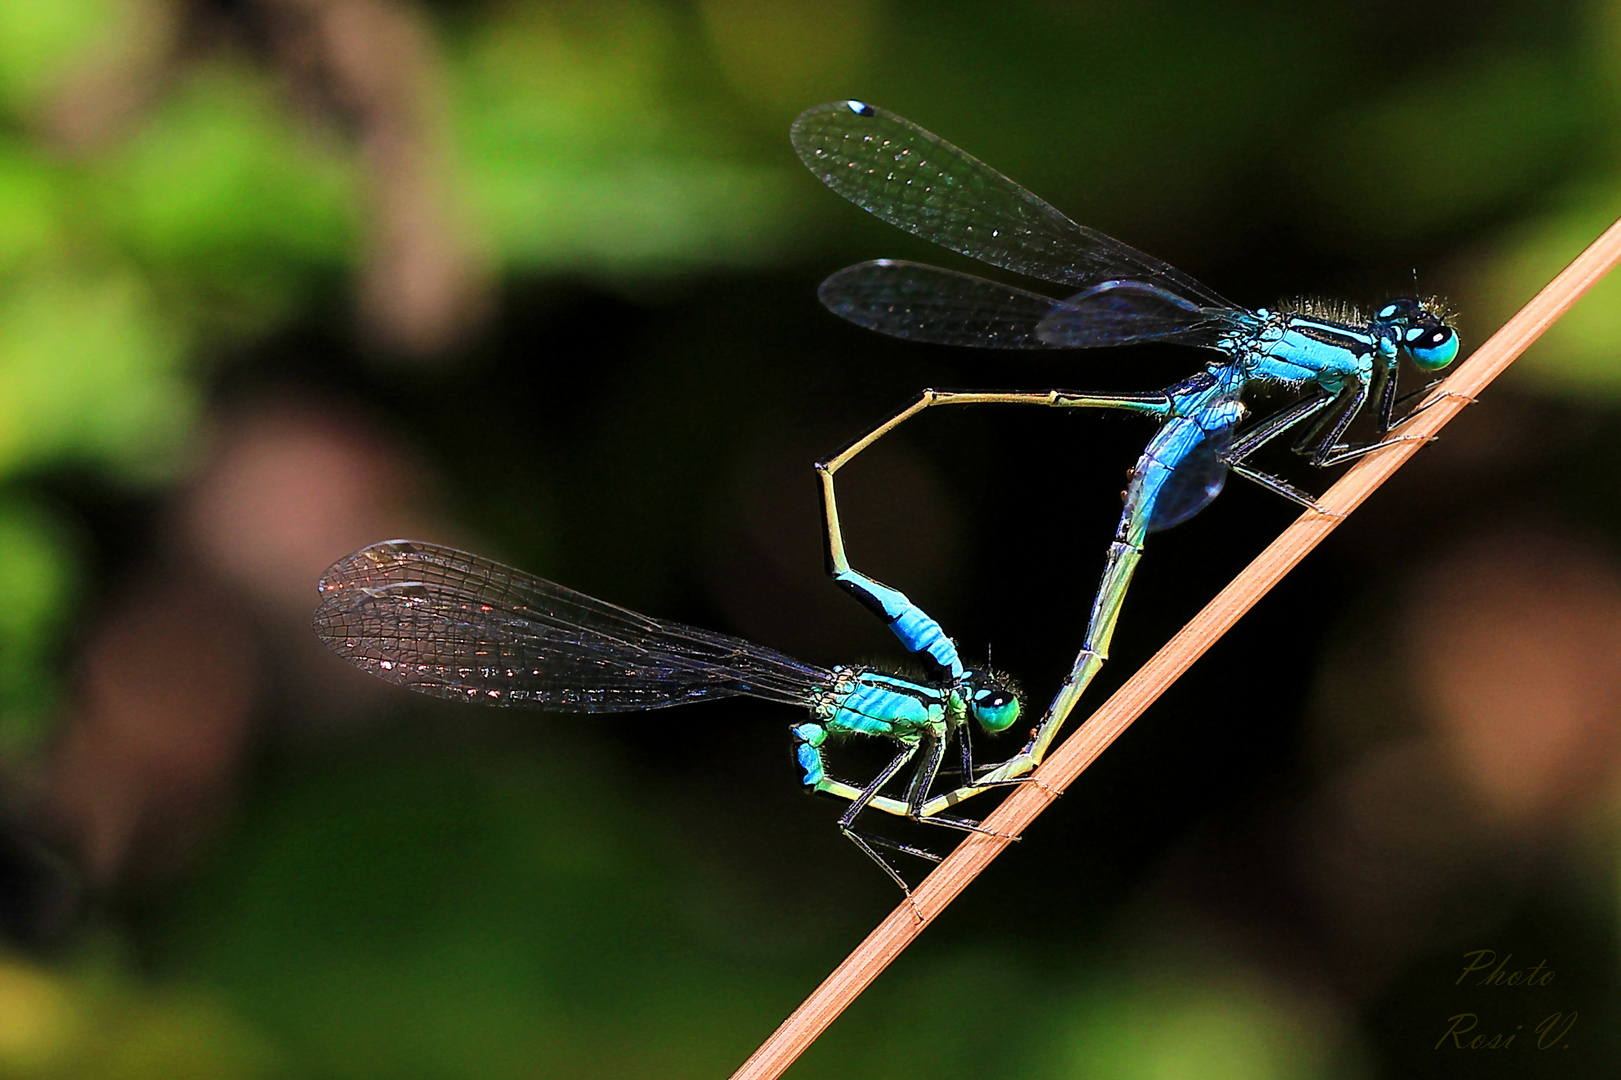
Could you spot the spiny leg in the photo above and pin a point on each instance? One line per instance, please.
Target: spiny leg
(1389, 401)
(1280, 487)
(1323, 442)
(1248, 442)
(966, 770)
(1387, 398)
(1425, 389)
(1340, 454)
(1384, 414)
(868, 842)
(969, 771)
(917, 795)
(965, 749)
(933, 751)
(918, 790)
(809, 738)
(1327, 450)
(848, 792)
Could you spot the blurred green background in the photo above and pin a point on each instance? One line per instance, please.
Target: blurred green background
(279, 278)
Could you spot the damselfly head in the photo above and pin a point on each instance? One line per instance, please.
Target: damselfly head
(1423, 327)
(992, 699)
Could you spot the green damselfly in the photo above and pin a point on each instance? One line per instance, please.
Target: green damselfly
(453, 625)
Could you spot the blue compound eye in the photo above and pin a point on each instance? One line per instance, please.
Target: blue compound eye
(996, 710)
(1431, 347)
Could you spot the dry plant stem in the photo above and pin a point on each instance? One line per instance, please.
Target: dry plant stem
(903, 924)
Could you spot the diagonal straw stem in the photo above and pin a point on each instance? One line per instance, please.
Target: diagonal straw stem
(907, 921)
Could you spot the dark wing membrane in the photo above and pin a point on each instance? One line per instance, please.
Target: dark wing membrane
(917, 181)
(1122, 312)
(443, 622)
(926, 303)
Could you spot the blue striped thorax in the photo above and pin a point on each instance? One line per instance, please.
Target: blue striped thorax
(1296, 348)
(867, 702)
(1335, 346)
(872, 703)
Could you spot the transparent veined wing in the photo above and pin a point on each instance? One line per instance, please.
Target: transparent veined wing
(1121, 312)
(927, 303)
(443, 622)
(917, 181)
(945, 307)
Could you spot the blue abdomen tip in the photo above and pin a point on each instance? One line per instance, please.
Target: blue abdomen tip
(860, 108)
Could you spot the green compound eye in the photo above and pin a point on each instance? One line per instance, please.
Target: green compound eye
(996, 710)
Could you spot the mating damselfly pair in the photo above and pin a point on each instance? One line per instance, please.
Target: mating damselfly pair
(453, 625)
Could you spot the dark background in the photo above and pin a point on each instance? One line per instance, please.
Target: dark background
(279, 279)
